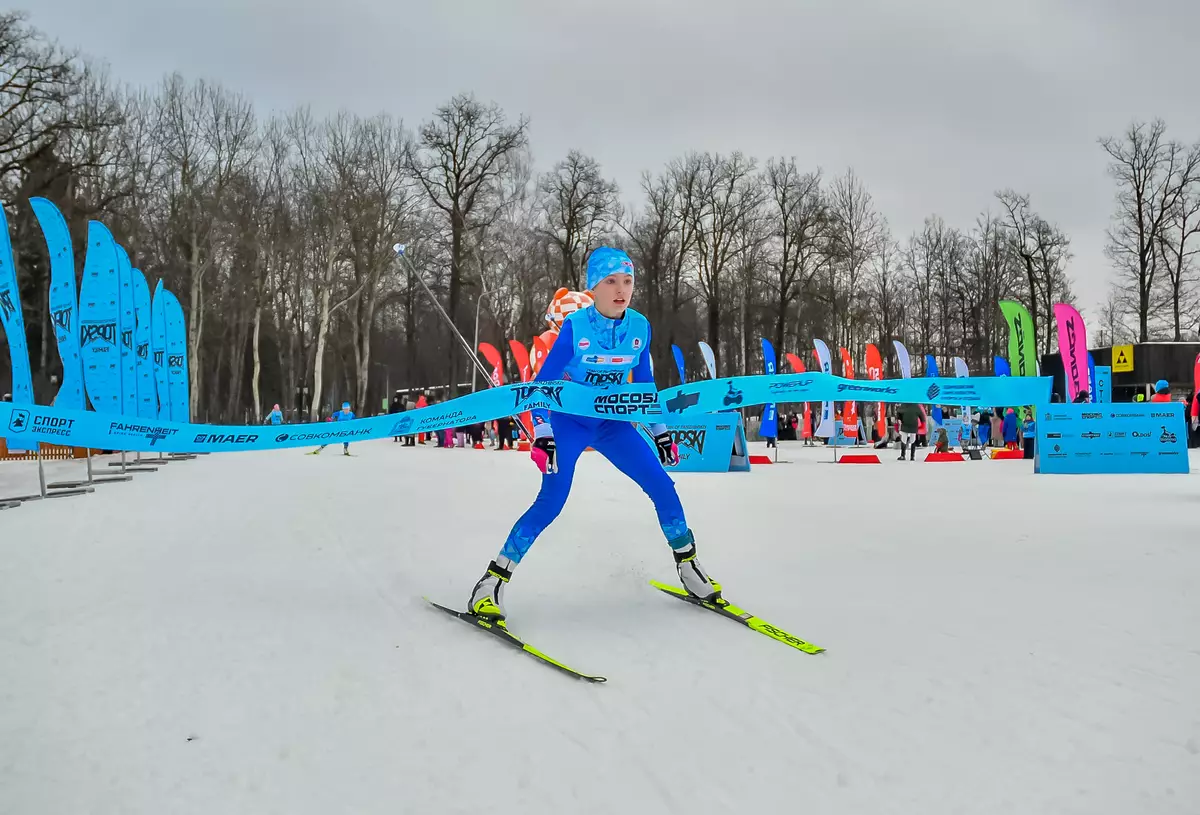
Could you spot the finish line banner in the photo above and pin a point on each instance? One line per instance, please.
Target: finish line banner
(745, 391)
(1133, 437)
(103, 431)
(630, 403)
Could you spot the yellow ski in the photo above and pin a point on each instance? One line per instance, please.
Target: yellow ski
(500, 631)
(737, 614)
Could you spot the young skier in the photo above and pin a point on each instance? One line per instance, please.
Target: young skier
(598, 344)
(344, 415)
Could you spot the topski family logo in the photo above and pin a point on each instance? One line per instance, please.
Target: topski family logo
(529, 397)
(1167, 437)
(402, 426)
(733, 396)
(104, 332)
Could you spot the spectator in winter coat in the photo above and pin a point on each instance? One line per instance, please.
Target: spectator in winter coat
(1010, 429)
(910, 420)
(396, 406)
(1162, 391)
(985, 427)
(1029, 431)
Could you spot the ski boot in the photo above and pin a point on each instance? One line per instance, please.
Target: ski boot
(693, 577)
(487, 598)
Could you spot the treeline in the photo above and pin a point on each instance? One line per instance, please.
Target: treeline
(276, 233)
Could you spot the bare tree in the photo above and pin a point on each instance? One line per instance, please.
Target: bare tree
(727, 192)
(36, 81)
(1147, 168)
(1177, 242)
(801, 223)
(580, 207)
(458, 158)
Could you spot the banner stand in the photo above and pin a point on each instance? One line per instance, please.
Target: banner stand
(92, 480)
(128, 468)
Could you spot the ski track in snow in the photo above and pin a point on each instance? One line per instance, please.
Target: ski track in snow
(246, 633)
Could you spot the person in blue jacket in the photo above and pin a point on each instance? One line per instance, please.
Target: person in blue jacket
(1009, 429)
(343, 415)
(597, 346)
(275, 416)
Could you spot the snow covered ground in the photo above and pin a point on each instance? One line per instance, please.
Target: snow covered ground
(246, 634)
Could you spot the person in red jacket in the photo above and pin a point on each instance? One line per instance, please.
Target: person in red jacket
(1162, 391)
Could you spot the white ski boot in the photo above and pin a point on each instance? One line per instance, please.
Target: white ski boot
(695, 580)
(487, 598)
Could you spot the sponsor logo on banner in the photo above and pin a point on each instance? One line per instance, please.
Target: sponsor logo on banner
(447, 418)
(158, 358)
(1167, 437)
(51, 426)
(784, 387)
(149, 431)
(692, 438)
(534, 397)
(601, 359)
(1089, 435)
(605, 377)
(281, 437)
(627, 404)
(330, 434)
(733, 396)
(1019, 333)
(62, 318)
(884, 389)
(143, 350)
(1116, 434)
(19, 421)
(175, 361)
(127, 339)
(933, 391)
(98, 332)
(1137, 434)
(225, 438)
(1091, 415)
(1159, 414)
(682, 400)
(401, 427)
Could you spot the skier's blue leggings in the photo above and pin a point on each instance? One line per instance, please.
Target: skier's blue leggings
(621, 444)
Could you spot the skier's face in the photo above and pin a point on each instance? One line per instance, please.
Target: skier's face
(612, 295)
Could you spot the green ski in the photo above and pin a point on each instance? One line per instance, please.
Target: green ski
(740, 615)
(500, 631)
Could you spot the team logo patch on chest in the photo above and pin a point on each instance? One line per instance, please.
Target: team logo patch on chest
(637, 343)
(584, 344)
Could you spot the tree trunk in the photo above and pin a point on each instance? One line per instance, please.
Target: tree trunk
(254, 392)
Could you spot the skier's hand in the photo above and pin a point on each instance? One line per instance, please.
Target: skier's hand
(542, 453)
(668, 451)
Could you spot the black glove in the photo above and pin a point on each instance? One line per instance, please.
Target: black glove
(542, 453)
(668, 452)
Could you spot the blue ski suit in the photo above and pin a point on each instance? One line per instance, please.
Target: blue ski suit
(594, 350)
(339, 416)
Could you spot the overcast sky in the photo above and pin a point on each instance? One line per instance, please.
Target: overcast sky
(935, 103)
